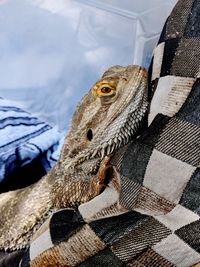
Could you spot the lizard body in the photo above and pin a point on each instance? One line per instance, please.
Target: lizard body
(105, 120)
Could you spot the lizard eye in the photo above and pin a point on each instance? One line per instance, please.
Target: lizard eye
(106, 90)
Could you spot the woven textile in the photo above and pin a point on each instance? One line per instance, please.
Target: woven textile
(149, 215)
(25, 144)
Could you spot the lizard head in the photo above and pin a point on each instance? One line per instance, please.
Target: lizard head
(109, 115)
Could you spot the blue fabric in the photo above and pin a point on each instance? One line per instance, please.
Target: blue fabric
(52, 154)
(23, 138)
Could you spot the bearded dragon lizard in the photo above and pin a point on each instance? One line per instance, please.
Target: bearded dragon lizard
(105, 120)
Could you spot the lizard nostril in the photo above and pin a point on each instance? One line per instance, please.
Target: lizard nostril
(89, 135)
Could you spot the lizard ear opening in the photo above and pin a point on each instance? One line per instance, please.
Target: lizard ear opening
(89, 135)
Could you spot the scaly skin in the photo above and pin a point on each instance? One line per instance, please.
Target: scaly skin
(105, 120)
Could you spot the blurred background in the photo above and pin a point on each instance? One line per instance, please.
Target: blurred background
(52, 51)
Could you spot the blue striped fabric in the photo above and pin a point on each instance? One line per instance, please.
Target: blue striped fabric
(23, 138)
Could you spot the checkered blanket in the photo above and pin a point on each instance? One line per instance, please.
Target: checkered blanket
(149, 214)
